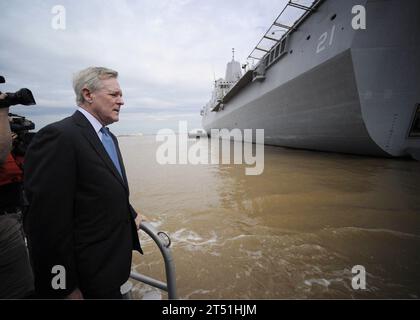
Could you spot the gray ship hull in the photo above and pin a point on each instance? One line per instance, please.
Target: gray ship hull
(358, 95)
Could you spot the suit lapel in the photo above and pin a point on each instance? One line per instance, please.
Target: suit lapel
(91, 136)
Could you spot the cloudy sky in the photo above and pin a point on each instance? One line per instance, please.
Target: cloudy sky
(167, 53)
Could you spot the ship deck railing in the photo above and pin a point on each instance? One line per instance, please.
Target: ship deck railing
(163, 242)
(271, 39)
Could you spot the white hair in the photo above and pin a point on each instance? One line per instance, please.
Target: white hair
(90, 78)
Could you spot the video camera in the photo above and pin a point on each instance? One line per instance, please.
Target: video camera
(23, 96)
(19, 125)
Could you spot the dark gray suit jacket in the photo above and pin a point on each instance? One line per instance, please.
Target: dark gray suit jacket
(79, 213)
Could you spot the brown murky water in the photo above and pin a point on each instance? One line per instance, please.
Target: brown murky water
(296, 231)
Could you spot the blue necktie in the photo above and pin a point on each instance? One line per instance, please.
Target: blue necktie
(110, 148)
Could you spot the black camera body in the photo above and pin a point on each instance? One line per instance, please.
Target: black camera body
(19, 125)
(22, 96)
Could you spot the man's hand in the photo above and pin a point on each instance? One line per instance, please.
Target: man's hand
(139, 217)
(75, 295)
(138, 221)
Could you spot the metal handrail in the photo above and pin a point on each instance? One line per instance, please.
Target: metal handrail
(163, 242)
(288, 29)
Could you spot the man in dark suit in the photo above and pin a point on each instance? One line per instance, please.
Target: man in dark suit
(79, 218)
